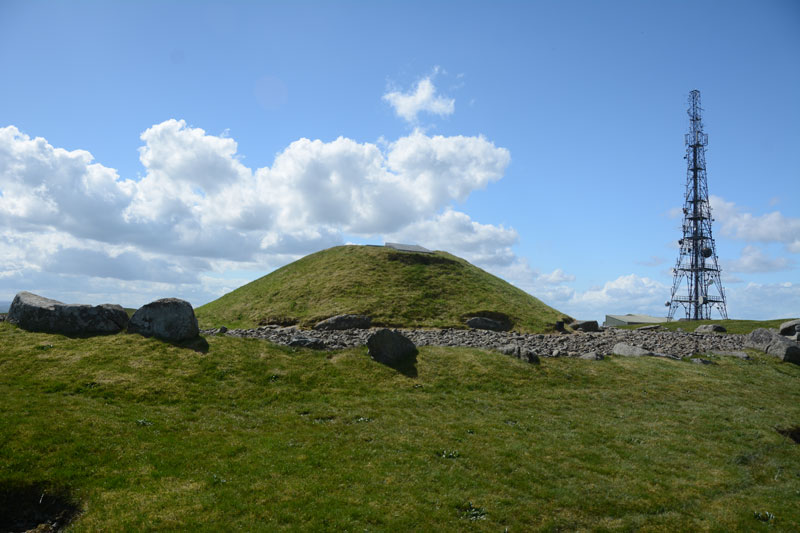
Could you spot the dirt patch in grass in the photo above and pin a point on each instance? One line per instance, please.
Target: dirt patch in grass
(35, 507)
(793, 433)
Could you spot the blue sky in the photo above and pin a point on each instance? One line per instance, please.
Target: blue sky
(152, 149)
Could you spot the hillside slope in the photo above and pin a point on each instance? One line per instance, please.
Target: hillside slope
(399, 289)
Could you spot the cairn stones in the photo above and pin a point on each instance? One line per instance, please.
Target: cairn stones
(587, 326)
(774, 344)
(168, 319)
(340, 322)
(37, 313)
(482, 322)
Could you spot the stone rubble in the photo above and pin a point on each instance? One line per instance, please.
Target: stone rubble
(599, 344)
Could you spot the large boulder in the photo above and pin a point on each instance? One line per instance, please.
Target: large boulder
(344, 322)
(391, 348)
(588, 326)
(710, 328)
(36, 313)
(481, 322)
(169, 319)
(628, 350)
(773, 343)
(790, 328)
(520, 352)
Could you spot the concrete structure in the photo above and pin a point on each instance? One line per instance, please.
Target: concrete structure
(626, 320)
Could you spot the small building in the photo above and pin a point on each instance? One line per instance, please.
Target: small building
(627, 320)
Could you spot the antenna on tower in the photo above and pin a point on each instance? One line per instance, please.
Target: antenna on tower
(697, 261)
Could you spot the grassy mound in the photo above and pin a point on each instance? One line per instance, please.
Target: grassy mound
(146, 436)
(397, 289)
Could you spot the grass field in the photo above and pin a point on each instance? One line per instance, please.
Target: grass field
(398, 289)
(143, 435)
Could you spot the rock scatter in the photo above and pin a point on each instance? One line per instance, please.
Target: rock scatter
(525, 346)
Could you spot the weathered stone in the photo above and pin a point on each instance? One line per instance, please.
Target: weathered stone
(344, 322)
(591, 356)
(790, 328)
(36, 313)
(587, 326)
(627, 350)
(773, 343)
(169, 319)
(391, 348)
(699, 361)
(654, 327)
(481, 322)
(710, 328)
(731, 353)
(307, 342)
(523, 354)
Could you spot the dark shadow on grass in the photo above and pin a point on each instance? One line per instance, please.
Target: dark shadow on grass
(408, 367)
(792, 433)
(27, 506)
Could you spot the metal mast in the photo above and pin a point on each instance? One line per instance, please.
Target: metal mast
(697, 262)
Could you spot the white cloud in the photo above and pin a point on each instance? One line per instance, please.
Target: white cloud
(770, 227)
(626, 294)
(197, 206)
(753, 260)
(482, 244)
(756, 301)
(422, 98)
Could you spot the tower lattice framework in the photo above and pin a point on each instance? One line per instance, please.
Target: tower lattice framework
(696, 285)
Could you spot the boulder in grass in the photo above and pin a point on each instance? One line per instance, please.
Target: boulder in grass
(169, 319)
(790, 328)
(37, 313)
(344, 322)
(588, 326)
(391, 348)
(773, 343)
(710, 328)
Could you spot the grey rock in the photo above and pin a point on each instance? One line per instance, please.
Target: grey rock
(480, 322)
(307, 342)
(731, 353)
(391, 348)
(790, 328)
(36, 313)
(773, 343)
(169, 319)
(588, 326)
(654, 327)
(627, 350)
(710, 328)
(340, 322)
(591, 356)
(699, 361)
(523, 354)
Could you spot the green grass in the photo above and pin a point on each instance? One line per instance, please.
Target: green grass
(732, 326)
(255, 437)
(394, 288)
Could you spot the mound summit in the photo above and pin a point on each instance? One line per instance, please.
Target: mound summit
(395, 288)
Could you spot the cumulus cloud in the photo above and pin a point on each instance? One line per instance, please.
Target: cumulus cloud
(770, 227)
(483, 244)
(422, 98)
(626, 294)
(198, 206)
(754, 260)
(763, 301)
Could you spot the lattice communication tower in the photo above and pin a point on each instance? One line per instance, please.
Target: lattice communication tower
(697, 263)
